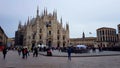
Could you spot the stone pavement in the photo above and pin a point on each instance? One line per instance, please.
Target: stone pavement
(56, 53)
(14, 61)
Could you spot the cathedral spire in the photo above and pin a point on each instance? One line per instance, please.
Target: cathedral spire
(61, 21)
(67, 26)
(83, 35)
(28, 21)
(45, 11)
(37, 11)
(55, 14)
(19, 26)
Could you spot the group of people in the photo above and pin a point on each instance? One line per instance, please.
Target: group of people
(25, 52)
(22, 51)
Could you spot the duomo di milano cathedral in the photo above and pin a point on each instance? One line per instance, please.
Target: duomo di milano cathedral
(44, 29)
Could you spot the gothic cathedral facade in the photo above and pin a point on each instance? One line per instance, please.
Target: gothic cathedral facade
(44, 29)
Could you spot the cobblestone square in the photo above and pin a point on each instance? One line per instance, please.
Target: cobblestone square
(13, 60)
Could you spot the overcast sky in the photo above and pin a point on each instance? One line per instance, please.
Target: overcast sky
(82, 15)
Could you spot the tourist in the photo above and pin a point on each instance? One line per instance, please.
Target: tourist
(35, 52)
(19, 51)
(4, 52)
(69, 51)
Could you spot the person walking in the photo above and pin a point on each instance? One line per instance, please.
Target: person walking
(26, 52)
(19, 51)
(4, 52)
(35, 52)
(23, 53)
(69, 51)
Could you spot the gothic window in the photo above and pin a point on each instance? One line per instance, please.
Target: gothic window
(58, 44)
(64, 44)
(58, 32)
(58, 37)
(49, 32)
(63, 37)
(34, 36)
(40, 37)
(40, 30)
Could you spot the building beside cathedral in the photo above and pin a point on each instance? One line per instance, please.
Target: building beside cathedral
(106, 37)
(3, 39)
(88, 41)
(44, 29)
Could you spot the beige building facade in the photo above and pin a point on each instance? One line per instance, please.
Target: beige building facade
(88, 41)
(44, 29)
(106, 37)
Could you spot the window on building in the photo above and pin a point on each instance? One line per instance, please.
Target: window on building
(40, 30)
(102, 32)
(63, 37)
(34, 36)
(40, 37)
(64, 44)
(49, 33)
(58, 44)
(58, 37)
(58, 32)
(108, 32)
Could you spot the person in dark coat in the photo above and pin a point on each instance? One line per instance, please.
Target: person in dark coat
(26, 52)
(35, 52)
(69, 51)
(23, 53)
(4, 52)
